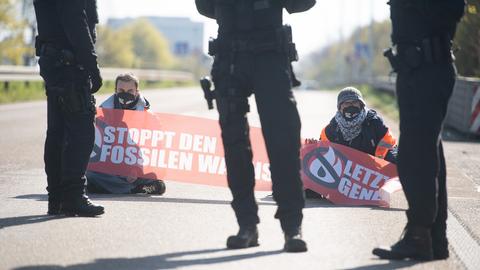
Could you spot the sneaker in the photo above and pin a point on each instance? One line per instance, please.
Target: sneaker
(157, 187)
(310, 194)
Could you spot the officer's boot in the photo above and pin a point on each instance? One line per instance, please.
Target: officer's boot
(439, 243)
(81, 206)
(294, 241)
(246, 237)
(416, 244)
(54, 204)
(55, 199)
(54, 207)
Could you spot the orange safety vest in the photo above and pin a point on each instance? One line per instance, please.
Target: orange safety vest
(387, 143)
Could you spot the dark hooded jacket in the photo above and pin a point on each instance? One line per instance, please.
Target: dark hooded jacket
(374, 139)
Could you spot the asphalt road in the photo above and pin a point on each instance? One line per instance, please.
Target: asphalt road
(187, 227)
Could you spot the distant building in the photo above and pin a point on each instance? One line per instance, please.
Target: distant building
(184, 36)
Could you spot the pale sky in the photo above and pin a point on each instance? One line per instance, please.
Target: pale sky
(313, 29)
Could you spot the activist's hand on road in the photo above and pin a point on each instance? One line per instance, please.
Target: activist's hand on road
(311, 141)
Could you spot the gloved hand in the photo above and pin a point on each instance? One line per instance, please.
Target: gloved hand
(96, 81)
(311, 141)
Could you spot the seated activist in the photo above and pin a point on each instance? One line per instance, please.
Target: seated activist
(126, 97)
(356, 126)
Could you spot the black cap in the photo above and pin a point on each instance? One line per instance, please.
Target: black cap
(349, 93)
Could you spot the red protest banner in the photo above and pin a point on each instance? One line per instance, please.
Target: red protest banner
(189, 149)
(166, 146)
(347, 176)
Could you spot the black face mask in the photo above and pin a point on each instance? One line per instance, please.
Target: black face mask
(127, 100)
(351, 112)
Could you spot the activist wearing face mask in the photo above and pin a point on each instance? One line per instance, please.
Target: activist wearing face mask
(356, 126)
(126, 97)
(126, 100)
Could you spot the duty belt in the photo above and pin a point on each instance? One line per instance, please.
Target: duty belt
(216, 46)
(279, 40)
(64, 56)
(428, 50)
(410, 55)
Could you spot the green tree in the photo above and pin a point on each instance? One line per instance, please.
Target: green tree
(197, 63)
(342, 63)
(114, 48)
(12, 43)
(149, 46)
(136, 45)
(467, 40)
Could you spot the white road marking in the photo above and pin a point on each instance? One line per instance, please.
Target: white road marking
(464, 246)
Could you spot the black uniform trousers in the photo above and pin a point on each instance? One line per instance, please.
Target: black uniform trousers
(423, 95)
(268, 76)
(70, 134)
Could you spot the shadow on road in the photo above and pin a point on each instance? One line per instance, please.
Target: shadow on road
(309, 203)
(25, 220)
(452, 135)
(324, 203)
(147, 198)
(138, 198)
(165, 261)
(389, 265)
(37, 197)
(268, 201)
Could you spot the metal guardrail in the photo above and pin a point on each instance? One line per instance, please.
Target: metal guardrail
(464, 106)
(23, 73)
(384, 83)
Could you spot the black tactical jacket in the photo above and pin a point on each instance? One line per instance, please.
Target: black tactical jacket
(69, 25)
(414, 20)
(236, 16)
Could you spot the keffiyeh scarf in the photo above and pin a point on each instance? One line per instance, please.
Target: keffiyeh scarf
(351, 129)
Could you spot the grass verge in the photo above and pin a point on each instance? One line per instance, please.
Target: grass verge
(27, 91)
(384, 102)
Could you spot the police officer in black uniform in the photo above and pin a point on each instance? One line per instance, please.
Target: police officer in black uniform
(253, 54)
(423, 31)
(68, 65)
